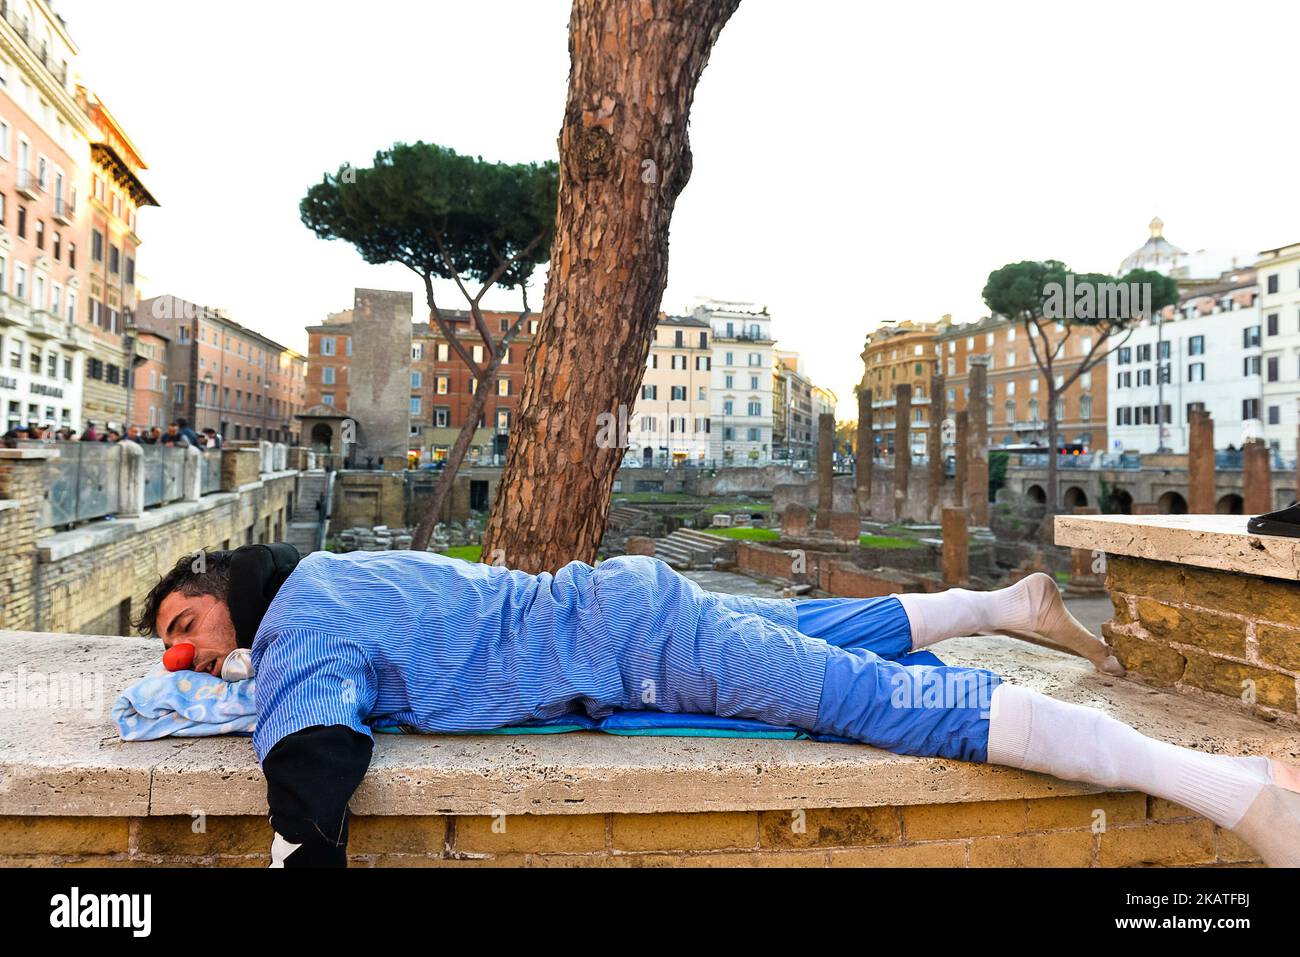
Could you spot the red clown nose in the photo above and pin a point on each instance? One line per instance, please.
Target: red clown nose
(179, 657)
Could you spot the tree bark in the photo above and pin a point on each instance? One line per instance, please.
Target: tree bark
(624, 158)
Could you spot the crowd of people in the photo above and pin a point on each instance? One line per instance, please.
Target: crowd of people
(178, 433)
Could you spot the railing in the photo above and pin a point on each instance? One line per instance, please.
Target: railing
(65, 209)
(164, 470)
(25, 182)
(1091, 460)
(80, 484)
(210, 472)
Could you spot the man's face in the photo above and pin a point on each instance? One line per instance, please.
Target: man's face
(171, 429)
(203, 621)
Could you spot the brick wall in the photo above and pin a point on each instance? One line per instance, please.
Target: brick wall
(1103, 830)
(830, 572)
(21, 487)
(1222, 633)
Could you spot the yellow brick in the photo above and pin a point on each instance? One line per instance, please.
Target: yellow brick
(935, 822)
(1051, 814)
(1232, 849)
(429, 860)
(64, 835)
(175, 835)
(531, 832)
(685, 832)
(1053, 849)
(758, 859)
(938, 854)
(829, 827)
(397, 835)
(1182, 842)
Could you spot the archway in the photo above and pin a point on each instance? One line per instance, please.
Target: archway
(1121, 502)
(322, 437)
(1230, 504)
(1036, 495)
(1075, 497)
(1171, 503)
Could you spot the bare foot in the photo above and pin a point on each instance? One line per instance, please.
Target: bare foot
(1052, 622)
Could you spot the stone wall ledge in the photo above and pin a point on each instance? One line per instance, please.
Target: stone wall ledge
(72, 762)
(58, 546)
(1208, 541)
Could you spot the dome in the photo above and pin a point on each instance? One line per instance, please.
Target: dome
(1157, 253)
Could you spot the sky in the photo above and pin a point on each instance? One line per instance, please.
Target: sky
(854, 162)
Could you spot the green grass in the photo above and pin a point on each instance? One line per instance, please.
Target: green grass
(745, 534)
(469, 553)
(887, 541)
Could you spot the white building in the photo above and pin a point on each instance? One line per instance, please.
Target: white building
(740, 395)
(1279, 309)
(1204, 352)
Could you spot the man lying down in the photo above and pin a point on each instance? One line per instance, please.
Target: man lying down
(340, 641)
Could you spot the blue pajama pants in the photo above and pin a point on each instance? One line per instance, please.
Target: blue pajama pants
(829, 666)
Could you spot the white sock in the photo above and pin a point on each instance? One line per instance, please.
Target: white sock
(1031, 731)
(959, 611)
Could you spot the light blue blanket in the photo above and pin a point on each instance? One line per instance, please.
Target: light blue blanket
(185, 704)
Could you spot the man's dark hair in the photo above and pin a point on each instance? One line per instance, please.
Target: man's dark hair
(212, 578)
(184, 424)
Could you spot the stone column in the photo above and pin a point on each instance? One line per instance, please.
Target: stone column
(959, 496)
(380, 374)
(977, 490)
(192, 475)
(280, 457)
(267, 451)
(1200, 463)
(934, 448)
(956, 547)
(825, 469)
(1256, 484)
(902, 447)
(130, 479)
(866, 451)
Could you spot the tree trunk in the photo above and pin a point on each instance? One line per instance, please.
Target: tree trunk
(424, 531)
(624, 158)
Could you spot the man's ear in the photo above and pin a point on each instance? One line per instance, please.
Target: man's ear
(256, 574)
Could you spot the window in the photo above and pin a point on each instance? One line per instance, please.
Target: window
(20, 280)
(679, 394)
(1271, 323)
(415, 405)
(417, 350)
(443, 351)
(1196, 372)
(22, 222)
(1250, 408)
(1123, 355)
(440, 385)
(327, 375)
(648, 423)
(442, 417)
(755, 434)
(1162, 349)
(1274, 415)
(678, 340)
(326, 345)
(96, 245)
(728, 406)
(417, 380)
(326, 398)
(701, 363)
(1272, 283)
(1144, 352)
(1249, 337)
(679, 362)
(477, 354)
(1272, 368)
(503, 386)
(649, 392)
(728, 381)
(704, 340)
(347, 344)
(755, 359)
(1196, 346)
(1250, 366)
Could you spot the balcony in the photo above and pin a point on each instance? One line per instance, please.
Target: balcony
(26, 184)
(42, 325)
(40, 49)
(65, 210)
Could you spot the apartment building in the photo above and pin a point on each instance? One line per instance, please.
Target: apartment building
(1278, 272)
(1204, 352)
(670, 423)
(740, 390)
(794, 418)
(897, 354)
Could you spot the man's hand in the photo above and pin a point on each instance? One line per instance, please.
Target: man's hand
(310, 777)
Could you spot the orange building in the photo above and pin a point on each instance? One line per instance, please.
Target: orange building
(1017, 411)
(898, 354)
